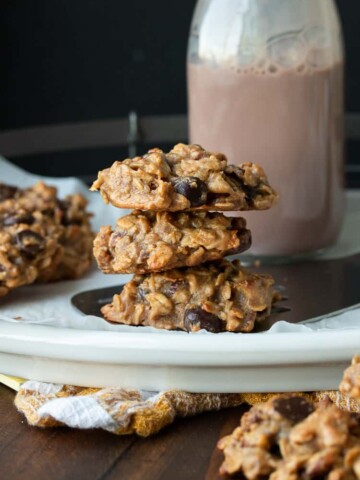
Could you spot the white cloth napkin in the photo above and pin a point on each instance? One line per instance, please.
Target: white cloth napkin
(125, 412)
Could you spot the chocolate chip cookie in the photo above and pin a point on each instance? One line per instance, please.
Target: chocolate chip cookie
(186, 178)
(219, 296)
(145, 242)
(42, 238)
(287, 438)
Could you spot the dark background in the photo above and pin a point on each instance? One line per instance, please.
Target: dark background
(71, 61)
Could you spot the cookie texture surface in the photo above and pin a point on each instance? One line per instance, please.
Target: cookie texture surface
(219, 296)
(144, 242)
(186, 178)
(287, 438)
(42, 238)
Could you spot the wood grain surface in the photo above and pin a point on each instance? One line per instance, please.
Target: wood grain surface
(184, 450)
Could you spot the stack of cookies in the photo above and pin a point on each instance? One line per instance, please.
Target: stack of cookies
(176, 240)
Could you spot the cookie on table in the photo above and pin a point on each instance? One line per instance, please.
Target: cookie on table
(219, 296)
(42, 238)
(145, 242)
(186, 178)
(287, 438)
(350, 384)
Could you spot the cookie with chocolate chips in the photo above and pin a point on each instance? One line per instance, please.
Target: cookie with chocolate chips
(186, 178)
(289, 438)
(219, 296)
(146, 242)
(41, 237)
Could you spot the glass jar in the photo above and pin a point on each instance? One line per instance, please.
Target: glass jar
(265, 85)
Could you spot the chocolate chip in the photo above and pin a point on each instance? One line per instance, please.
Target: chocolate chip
(63, 205)
(294, 409)
(7, 191)
(30, 243)
(142, 294)
(192, 188)
(354, 415)
(17, 219)
(49, 212)
(196, 318)
(2, 268)
(244, 236)
(236, 174)
(70, 221)
(248, 321)
(250, 193)
(66, 220)
(275, 451)
(173, 287)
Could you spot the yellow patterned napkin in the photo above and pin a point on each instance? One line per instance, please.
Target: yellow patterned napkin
(144, 413)
(123, 412)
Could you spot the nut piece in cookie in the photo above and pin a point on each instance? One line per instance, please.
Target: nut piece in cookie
(186, 178)
(145, 242)
(219, 296)
(287, 438)
(42, 238)
(350, 384)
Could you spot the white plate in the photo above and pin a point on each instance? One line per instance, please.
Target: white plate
(308, 360)
(94, 353)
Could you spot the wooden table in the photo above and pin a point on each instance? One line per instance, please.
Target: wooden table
(184, 450)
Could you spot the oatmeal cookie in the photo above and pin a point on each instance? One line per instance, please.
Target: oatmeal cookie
(186, 178)
(39, 197)
(287, 438)
(145, 242)
(219, 296)
(350, 384)
(41, 237)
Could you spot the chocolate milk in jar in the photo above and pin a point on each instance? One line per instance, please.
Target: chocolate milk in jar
(265, 85)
